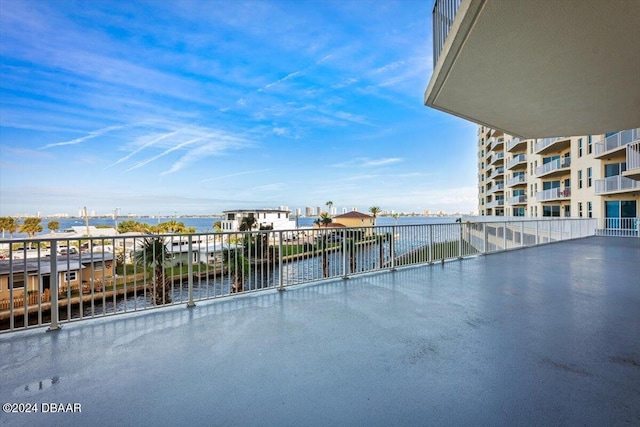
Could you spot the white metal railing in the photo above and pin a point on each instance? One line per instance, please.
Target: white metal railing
(123, 274)
(518, 200)
(498, 171)
(495, 203)
(619, 227)
(496, 142)
(553, 194)
(554, 165)
(514, 142)
(444, 11)
(614, 184)
(516, 180)
(496, 187)
(633, 156)
(520, 158)
(496, 157)
(616, 141)
(494, 235)
(543, 143)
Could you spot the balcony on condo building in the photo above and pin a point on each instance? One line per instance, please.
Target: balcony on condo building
(518, 200)
(633, 161)
(517, 180)
(553, 194)
(615, 145)
(497, 143)
(517, 144)
(496, 172)
(495, 203)
(617, 184)
(591, 46)
(555, 167)
(549, 145)
(496, 158)
(499, 187)
(517, 162)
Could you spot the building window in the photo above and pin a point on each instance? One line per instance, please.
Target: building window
(614, 169)
(589, 145)
(553, 210)
(18, 280)
(589, 173)
(518, 211)
(580, 147)
(70, 276)
(589, 209)
(580, 209)
(579, 179)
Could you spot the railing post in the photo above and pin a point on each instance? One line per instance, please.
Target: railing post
(460, 244)
(486, 238)
(430, 243)
(537, 232)
(190, 302)
(504, 236)
(53, 286)
(280, 263)
(521, 233)
(392, 247)
(345, 247)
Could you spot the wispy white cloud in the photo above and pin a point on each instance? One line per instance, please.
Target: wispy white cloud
(366, 162)
(164, 153)
(91, 135)
(217, 145)
(282, 80)
(142, 147)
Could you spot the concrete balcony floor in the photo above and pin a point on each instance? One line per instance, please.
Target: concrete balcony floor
(547, 335)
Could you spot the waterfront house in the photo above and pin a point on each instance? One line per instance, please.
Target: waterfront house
(279, 219)
(354, 219)
(34, 274)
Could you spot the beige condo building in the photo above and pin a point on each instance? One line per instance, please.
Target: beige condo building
(575, 176)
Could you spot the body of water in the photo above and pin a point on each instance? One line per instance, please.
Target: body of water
(205, 224)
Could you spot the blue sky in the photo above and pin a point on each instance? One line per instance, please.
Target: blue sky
(194, 107)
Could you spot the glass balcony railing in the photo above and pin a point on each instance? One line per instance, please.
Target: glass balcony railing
(520, 179)
(518, 200)
(553, 194)
(615, 184)
(517, 160)
(616, 141)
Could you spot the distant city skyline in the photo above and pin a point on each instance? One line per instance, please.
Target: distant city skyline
(192, 108)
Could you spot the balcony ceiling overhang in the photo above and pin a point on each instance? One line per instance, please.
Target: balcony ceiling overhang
(542, 68)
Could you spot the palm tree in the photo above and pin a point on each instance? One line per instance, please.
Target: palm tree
(31, 226)
(325, 219)
(133, 226)
(53, 226)
(329, 204)
(238, 267)
(395, 216)
(248, 223)
(375, 210)
(154, 255)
